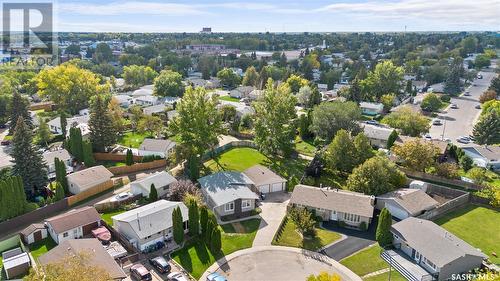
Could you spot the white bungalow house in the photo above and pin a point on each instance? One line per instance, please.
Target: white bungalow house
(149, 224)
(158, 147)
(161, 181)
(61, 154)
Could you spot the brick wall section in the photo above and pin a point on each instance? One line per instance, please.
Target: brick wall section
(114, 157)
(137, 167)
(72, 200)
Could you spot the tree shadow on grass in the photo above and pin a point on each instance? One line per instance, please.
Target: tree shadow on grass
(185, 260)
(202, 252)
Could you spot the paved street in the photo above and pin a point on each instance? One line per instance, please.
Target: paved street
(459, 122)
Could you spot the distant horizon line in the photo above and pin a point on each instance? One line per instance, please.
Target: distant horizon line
(274, 32)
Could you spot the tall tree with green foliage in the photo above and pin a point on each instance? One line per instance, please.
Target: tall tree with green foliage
(203, 220)
(194, 218)
(168, 83)
(386, 78)
(12, 198)
(75, 143)
(138, 75)
(19, 108)
(376, 176)
(88, 155)
(198, 124)
(129, 158)
(383, 234)
(102, 132)
(452, 82)
(328, 118)
(340, 154)
(153, 193)
(392, 139)
(409, 121)
(487, 129)
(251, 77)
(274, 129)
(43, 134)
(228, 78)
(363, 148)
(216, 241)
(61, 175)
(28, 161)
(59, 194)
(177, 226)
(416, 154)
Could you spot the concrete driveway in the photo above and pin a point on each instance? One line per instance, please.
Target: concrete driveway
(278, 263)
(273, 210)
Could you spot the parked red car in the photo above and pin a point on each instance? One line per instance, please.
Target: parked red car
(103, 234)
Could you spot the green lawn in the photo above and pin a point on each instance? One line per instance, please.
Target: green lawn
(240, 159)
(478, 226)
(229, 98)
(109, 164)
(365, 261)
(492, 178)
(304, 146)
(106, 216)
(132, 139)
(41, 247)
(196, 258)
(291, 238)
(395, 276)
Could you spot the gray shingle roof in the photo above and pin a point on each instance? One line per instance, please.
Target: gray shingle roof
(157, 145)
(62, 154)
(413, 201)
(432, 241)
(376, 132)
(225, 187)
(90, 176)
(339, 200)
(261, 175)
(97, 255)
(73, 218)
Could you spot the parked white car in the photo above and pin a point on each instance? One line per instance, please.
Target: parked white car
(121, 197)
(464, 139)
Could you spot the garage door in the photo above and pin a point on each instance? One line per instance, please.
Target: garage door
(87, 229)
(396, 212)
(264, 188)
(277, 187)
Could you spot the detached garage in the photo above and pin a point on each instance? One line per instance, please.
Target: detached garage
(406, 202)
(33, 233)
(265, 180)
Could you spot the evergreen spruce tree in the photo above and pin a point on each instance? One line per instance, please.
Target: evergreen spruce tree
(194, 218)
(19, 108)
(12, 198)
(452, 83)
(61, 176)
(392, 138)
(129, 159)
(487, 129)
(216, 241)
(59, 194)
(153, 193)
(383, 234)
(76, 143)
(102, 130)
(28, 161)
(88, 156)
(43, 134)
(64, 122)
(177, 226)
(203, 220)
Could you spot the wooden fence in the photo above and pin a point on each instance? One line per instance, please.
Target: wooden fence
(440, 180)
(72, 200)
(137, 167)
(47, 106)
(99, 156)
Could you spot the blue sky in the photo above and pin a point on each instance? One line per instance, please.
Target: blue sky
(277, 16)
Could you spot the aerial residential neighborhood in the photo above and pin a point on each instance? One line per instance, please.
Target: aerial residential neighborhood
(263, 141)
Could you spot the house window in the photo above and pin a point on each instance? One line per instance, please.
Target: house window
(65, 234)
(245, 204)
(229, 207)
(75, 232)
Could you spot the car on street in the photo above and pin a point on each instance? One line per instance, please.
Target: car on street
(478, 106)
(3, 126)
(5, 142)
(464, 139)
(140, 272)
(176, 276)
(479, 76)
(436, 122)
(467, 93)
(454, 106)
(216, 277)
(160, 264)
(428, 136)
(447, 139)
(122, 197)
(372, 122)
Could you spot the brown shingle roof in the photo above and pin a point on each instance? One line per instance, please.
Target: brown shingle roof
(97, 255)
(339, 200)
(157, 145)
(32, 228)
(74, 218)
(413, 201)
(261, 175)
(91, 176)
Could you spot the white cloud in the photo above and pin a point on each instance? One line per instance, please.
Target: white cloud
(127, 8)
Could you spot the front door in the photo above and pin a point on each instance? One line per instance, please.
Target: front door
(37, 236)
(417, 256)
(333, 215)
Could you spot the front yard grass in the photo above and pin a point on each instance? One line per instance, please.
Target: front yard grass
(195, 257)
(109, 164)
(41, 247)
(365, 261)
(395, 276)
(476, 225)
(242, 158)
(132, 139)
(229, 98)
(291, 238)
(106, 216)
